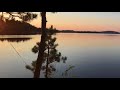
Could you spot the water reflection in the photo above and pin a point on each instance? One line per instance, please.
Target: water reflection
(15, 39)
(90, 56)
(51, 56)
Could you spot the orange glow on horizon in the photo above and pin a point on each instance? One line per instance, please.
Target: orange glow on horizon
(83, 21)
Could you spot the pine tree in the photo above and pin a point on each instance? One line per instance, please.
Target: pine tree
(51, 55)
(27, 16)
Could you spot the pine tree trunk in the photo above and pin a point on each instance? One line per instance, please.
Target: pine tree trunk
(41, 47)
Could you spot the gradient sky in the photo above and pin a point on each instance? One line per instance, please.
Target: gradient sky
(94, 21)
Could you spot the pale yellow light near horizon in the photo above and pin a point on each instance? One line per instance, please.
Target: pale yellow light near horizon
(96, 21)
(86, 21)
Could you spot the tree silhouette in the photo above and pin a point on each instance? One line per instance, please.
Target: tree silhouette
(41, 45)
(23, 16)
(27, 16)
(51, 55)
(9, 21)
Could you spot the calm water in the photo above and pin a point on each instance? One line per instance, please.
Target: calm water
(88, 56)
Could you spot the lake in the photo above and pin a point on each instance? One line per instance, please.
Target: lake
(88, 56)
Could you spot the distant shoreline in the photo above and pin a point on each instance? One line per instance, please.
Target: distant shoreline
(96, 32)
(71, 31)
(13, 27)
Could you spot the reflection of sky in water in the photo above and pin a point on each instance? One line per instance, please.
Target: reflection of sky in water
(93, 55)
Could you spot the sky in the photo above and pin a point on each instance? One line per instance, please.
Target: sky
(82, 21)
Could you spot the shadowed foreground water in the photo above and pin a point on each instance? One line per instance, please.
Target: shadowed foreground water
(88, 55)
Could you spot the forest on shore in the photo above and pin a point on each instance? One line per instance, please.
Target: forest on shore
(15, 27)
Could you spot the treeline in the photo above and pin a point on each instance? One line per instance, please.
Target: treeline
(104, 32)
(15, 27)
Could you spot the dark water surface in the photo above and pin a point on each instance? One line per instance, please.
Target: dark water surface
(88, 55)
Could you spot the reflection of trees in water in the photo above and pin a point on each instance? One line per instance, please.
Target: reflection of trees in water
(51, 56)
(15, 39)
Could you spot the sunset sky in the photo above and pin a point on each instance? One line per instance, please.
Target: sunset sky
(94, 21)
